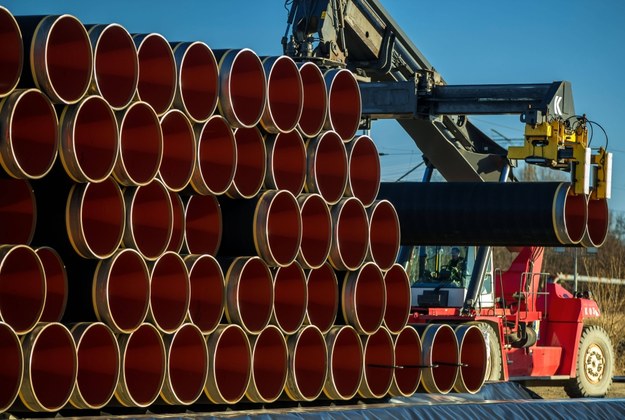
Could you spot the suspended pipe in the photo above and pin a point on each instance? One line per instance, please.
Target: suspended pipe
(323, 297)
(178, 223)
(598, 223)
(18, 211)
(363, 169)
(12, 54)
(229, 364)
(56, 284)
(249, 174)
(384, 234)
(141, 145)
(363, 299)
(345, 363)
(326, 166)
(203, 225)
(170, 292)
(115, 64)
(315, 100)
(269, 226)
(473, 354)
(12, 366)
(157, 71)
(440, 358)
(308, 364)
(187, 366)
(379, 362)
(284, 95)
(242, 87)
(216, 157)
(121, 291)
(344, 104)
(28, 122)
(487, 213)
(143, 366)
(22, 287)
(179, 150)
(207, 299)
(269, 366)
(397, 285)
(197, 85)
(50, 367)
(408, 363)
(316, 231)
(290, 298)
(98, 365)
(350, 234)
(286, 162)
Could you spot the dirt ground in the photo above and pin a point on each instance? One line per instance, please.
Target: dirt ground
(550, 392)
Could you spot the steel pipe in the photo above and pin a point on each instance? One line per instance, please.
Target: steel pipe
(121, 291)
(384, 234)
(249, 294)
(216, 157)
(98, 365)
(28, 122)
(473, 354)
(11, 368)
(242, 87)
(326, 166)
(197, 85)
(56, 284)
(344, 104)
(598, 223)
(308, 364)
(187, 366)
(208, 298)
(290, 298)
(350, 235)
(345, 363)
(364, 171)
(284, 95)
(12, 55)
(229, 365)
(170, 292)
(487, 213)
(179, 150)
(363, 298)
(95, 218)
(379, 362)
(50, 367)
(143, 367)
(115, 64)
(315, 100)
(269, 366)
(18, 211)
(286, 162)
(397, 285)
(323, 297)
(316, 231)
(141, 145)
(203, 225)
(178, 223)
(157, 71)
(22, 287)
(440, 358)
(149, 219)
(408, 363)
(249, 174)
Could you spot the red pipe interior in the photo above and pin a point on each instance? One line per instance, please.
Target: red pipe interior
(56, 284)
(157, 72)
(598, 221)
(151, 219)
(310, 361)
(314, 109)
(199, 81)
(379, 362)
(397, 298)
(364, 170)
(330, 167)
(352, 233)
(323, 297)
(206, 306)
(143, 365)
(11, 366)
(344, 104)
(247, 87)
(255, 295)
(270, 363)
(445, 355)
(284, 227)
(12, 54)
(346, 362)
(284, 94)
(370, 299)
(290, 297)
(473, 355)
(18, 211)
(169, 291)
(179, 150)
(384, 234)
(575, 216)
(178, 223)
(203, 224)
(408, 355)
(287, 162)
(217, 156)
(188, 363)
(233, 364)
(251, 161)
(316, 230)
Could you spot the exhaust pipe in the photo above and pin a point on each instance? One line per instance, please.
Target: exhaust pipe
(473, 354)
(12, 367)
(229, 365)
(308, 364)
(98, 365)
(12, 56)
(56, 284)
(95, 218)
(23, 287)
(345, 363)
(141, 145)
(326, 166)
(598, 223)
(363, 299)
(249, 294)
(115, 65)
(179, 150)
(149, 219)
(269, 366)
(284, 95)
(216, 157)
(350, 235)
(187, 366)
(157, 72)
(242, 87)
(143, 366)
(408, 363)
(178, 223)
(249, 174)
(121, 291)
(383, 234)
(170, 292)
(379, 362)
(440, 358)
(29, 123)
(344, 105)
(203, 226)
(315, 100)
(316, 231)
(290, 298)
(197, 83)
(18, 211)
(286, 162)
(397, 299)
(323, 297)
(50, 368)
(207, 299)
(364, 170)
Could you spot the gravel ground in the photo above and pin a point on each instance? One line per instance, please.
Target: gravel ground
(551, 392)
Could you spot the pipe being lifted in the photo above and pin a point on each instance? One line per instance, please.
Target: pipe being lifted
(284, 95)
(18, 211)
(207, 300)
(598, 223)
(315, 100)
(344, 104)
(12, 55)
(12, 366)
(345, 363)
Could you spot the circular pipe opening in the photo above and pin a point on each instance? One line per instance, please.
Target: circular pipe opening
(315, 100)
(286, 162)
(575, 216)
(363, 298)
(350, 235)
(206, 305)
(379, 357)
(345, 356)
(12, 54)
(308, 364)
(251, 163)
(18, 211)
(284, 95)
(326, 171)
(397, 299)
(157, 71)
(316, 231)
(178, 223)
(56, 284)
(203, 225)
(408, 355)
(12, 366)
(179, 150)
(598, 223)
(279, 233)
(440, 350)
(290, 297)
(169, 292)
(384, 234)
(473, 353)
(364, 170)
(187, 366)
(323, 297)
(344, 105)
(269, 366)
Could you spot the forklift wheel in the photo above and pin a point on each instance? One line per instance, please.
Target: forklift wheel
(594, 366)
(493, 360)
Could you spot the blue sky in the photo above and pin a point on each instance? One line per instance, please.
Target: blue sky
(468, 42)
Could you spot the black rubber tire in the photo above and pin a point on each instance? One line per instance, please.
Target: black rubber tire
(594, 366)
(493, 361)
